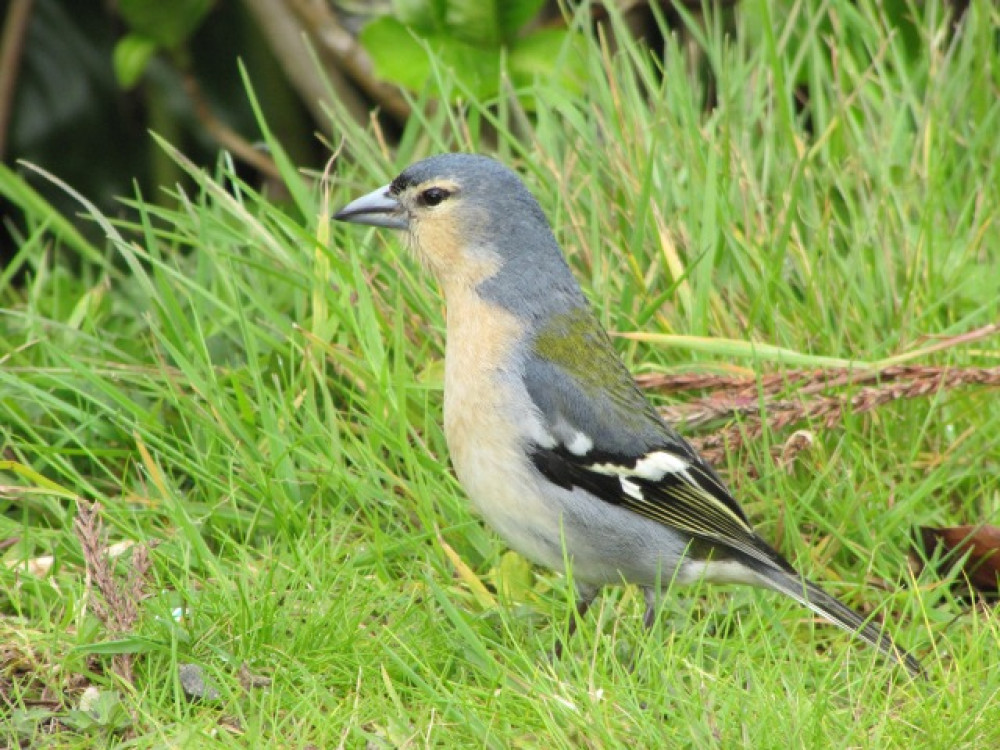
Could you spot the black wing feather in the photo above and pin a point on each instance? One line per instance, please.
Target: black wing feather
(694, 501)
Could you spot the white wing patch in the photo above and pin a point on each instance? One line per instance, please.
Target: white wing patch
(657, 465)
(580, 444)
(631, 489)
(652, 467)
(538, 434)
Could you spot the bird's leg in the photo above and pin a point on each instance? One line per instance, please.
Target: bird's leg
(649, 618)
(585, 596)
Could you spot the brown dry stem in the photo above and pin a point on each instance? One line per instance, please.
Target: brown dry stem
(760, 404)
(117, 602)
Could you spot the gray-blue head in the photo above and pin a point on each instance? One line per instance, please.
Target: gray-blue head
(473, 222)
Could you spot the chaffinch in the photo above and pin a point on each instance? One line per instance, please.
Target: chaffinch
(555, 445)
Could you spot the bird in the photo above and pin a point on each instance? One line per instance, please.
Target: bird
(550, 437)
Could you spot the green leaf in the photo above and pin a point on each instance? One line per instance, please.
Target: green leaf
(474, 21)
(26, 722)
(467, 38)
(403, 59)
(489, 23)
(539, 55)
(427, 16)
(132, 645)
(167, 24)
(99, 710)
(513, 15)
(547, 54)
(478, 69)
(397, 56)
(131, 56)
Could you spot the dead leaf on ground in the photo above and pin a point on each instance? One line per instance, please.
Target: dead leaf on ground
(982, 545)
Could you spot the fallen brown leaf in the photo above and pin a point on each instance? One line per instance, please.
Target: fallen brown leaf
(982, 545)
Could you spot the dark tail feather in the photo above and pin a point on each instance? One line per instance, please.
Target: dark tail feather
(826, 606)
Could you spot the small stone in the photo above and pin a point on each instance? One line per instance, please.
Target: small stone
(194, 683)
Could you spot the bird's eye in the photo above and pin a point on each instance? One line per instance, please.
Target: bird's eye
(433, 196)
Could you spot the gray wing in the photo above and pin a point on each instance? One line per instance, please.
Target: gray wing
(609, 440)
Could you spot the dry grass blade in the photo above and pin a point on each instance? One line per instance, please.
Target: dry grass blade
(897, 383)
(813, 381)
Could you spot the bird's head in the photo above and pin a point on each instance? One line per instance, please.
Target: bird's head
(472, 220)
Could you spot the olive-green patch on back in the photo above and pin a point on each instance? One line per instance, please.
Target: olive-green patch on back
(619, 417)
(576, 342)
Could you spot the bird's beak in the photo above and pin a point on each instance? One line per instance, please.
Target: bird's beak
(378, 209)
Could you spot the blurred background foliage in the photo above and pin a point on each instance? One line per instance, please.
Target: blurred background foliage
(83, 81)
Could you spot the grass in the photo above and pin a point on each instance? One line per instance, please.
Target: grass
(256, 393)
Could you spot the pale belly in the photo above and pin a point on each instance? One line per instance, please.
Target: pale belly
(489, 460)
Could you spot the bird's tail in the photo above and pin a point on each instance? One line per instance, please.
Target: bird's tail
(812, 596)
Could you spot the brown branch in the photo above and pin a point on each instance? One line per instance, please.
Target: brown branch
(281, 26)
(337, 44)
(15, 29)
(224, 135)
